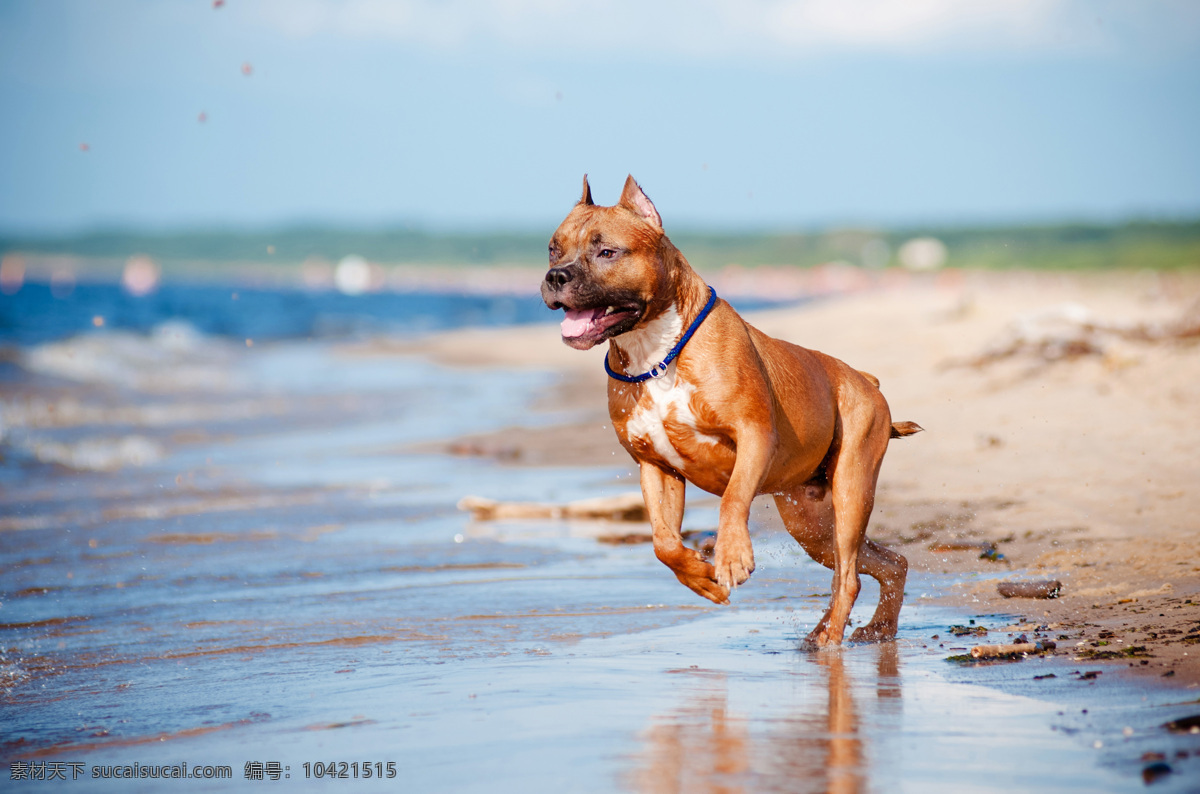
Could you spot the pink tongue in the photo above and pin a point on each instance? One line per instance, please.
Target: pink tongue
(576, 323)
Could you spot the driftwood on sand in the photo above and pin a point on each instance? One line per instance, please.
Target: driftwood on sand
(1011, 649)
(1048, 588)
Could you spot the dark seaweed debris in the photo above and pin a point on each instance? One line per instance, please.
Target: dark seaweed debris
(1132, 651)
(1184, 724)
(972, 631)
(1153, 772)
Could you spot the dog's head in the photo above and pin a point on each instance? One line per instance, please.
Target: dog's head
(607, 267)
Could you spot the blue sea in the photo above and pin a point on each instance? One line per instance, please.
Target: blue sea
(35, 314)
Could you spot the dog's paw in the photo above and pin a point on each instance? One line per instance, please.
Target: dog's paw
(708, 588)
(822, 636)
(733, 562)
(874, 632)
(698, 576)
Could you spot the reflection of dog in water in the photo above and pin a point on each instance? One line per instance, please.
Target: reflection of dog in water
(698, 394)
(706, 745)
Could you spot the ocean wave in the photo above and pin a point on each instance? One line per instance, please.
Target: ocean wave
(95, 454)
(173, 357)
(36, 411)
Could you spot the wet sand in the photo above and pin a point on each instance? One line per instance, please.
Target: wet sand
(287, 580)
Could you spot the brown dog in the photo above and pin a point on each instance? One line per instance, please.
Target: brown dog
(735, 412)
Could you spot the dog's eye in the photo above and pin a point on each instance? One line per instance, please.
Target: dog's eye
(607, 253)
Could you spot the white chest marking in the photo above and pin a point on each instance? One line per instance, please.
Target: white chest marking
(667, 399)
(670, 397)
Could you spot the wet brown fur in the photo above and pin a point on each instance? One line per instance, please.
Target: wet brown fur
(787, 421)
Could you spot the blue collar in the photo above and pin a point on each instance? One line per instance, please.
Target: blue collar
(659, 369)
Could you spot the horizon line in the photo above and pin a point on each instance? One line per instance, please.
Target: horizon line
(435, 229)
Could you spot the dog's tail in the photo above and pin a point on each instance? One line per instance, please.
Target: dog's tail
(902, 429)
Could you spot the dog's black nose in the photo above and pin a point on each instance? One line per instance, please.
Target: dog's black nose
(558, 276)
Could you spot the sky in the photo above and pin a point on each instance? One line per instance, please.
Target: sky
(464, 114)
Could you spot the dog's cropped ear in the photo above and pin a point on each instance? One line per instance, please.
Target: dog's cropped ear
(586, 198)
(632, 198)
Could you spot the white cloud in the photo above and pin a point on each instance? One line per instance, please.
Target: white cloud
(745, 28)
(913, 24)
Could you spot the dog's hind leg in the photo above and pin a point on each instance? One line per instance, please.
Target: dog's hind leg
(807, 513)
(853, 472)
(890, 570)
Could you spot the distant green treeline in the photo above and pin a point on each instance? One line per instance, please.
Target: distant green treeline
(1131, 245)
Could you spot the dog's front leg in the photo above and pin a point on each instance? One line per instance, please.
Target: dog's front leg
(664, 495)
(733, 556)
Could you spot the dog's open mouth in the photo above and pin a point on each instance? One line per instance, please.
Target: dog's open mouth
(584, 328)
